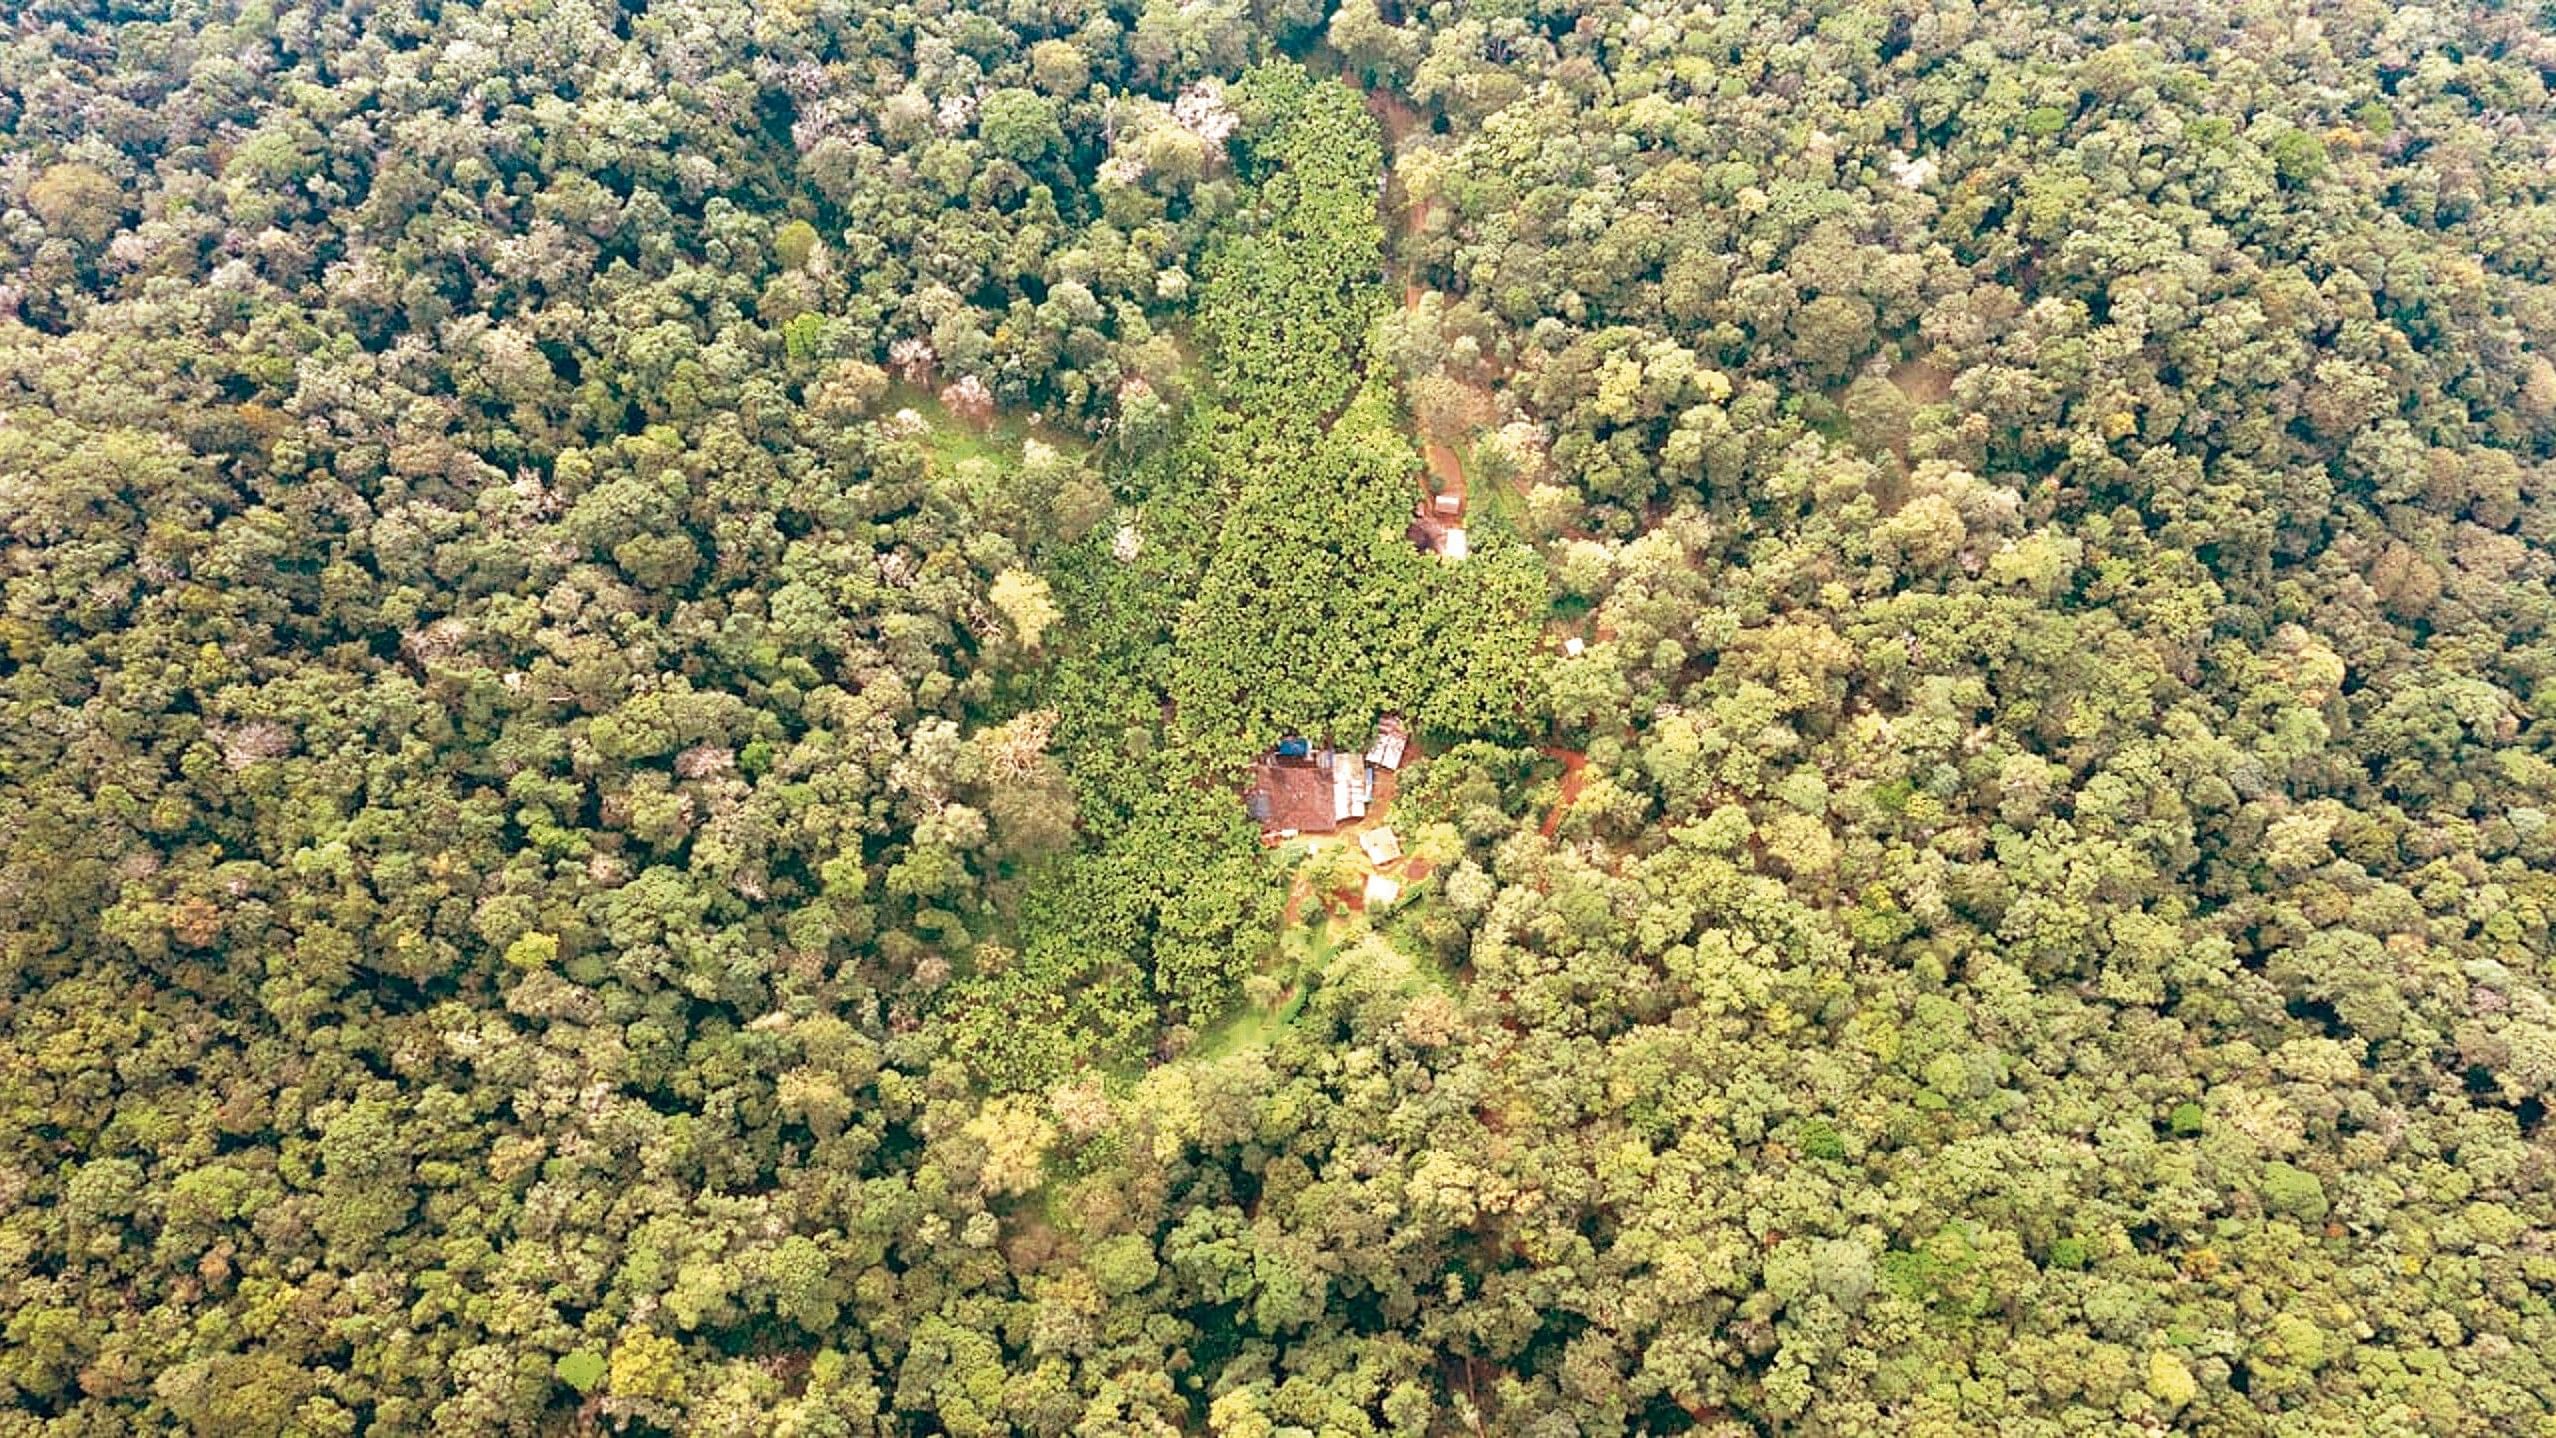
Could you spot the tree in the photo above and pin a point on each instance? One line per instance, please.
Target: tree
(78, 201)
(1025, 603)
(1019, 125)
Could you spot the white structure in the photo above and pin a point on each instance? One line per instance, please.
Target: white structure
(1392, 741)
(1381, 891)
(1449, 505)
(1381, 846)
(1353, 787)
(1574, 647)
(1453, 546)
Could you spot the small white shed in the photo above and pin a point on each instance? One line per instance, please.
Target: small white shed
(1381, 845)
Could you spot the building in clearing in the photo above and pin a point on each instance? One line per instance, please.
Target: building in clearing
(1381, 891)
(1431, 534)
(1353, 787)
(1381, 845)
(1393, 740)
(1448, 505)
(1299, 789)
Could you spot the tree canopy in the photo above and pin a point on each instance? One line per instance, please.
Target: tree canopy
(629, 636)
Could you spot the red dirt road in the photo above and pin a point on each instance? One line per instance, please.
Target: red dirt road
(1574, 779)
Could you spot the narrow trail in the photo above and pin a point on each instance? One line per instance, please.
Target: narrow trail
(1444, 473)
(1444, 467)
(1574, 779)
(1399, 119)
(1443, 464)
(1297, 892)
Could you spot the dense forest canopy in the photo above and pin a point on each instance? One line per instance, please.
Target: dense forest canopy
(631, 634)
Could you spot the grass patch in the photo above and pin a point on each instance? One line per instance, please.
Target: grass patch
(1254, 1027)
(950, 441)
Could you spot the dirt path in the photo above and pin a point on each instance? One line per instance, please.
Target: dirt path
(1444, 467)
(1395, 115)
(1297, 892)
(1399, 118)
(1574, 778)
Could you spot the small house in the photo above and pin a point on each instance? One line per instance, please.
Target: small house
(1353, 788)
(1308, 791)
(1574, 647)
(1381, 845)
(1291, 794)
(1299, 787)
(1432, 535)
(1448, 505)
(1392, 742)
(1381, 891)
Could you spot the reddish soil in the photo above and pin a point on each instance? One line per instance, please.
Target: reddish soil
(1444, 466)
(1574, 779)
(1397, 116)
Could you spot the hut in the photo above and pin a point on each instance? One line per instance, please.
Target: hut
(1353, 788)
(1393, 740)
(1290, 794)
(1311, 792)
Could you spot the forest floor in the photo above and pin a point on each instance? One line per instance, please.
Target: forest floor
(1922, 383)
